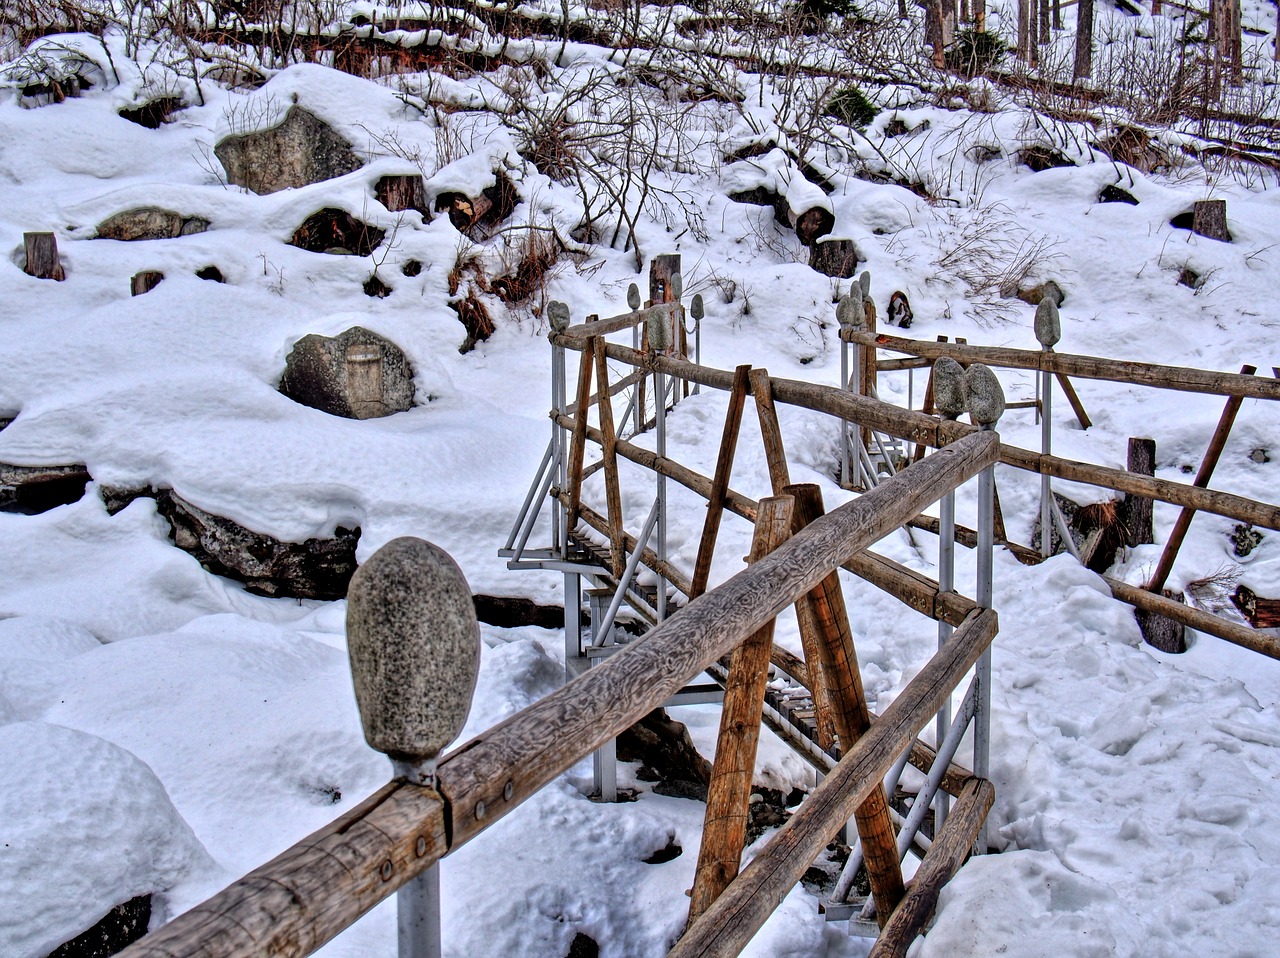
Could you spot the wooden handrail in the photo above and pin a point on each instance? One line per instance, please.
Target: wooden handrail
(1181, 378)
(726, 927)
(308, 894)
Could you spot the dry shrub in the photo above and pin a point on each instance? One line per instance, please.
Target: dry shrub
(475, 319)
(529, 262)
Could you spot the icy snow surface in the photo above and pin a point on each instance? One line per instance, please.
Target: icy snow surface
(165, 731)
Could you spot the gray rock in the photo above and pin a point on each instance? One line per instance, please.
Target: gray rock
(948, 387)
(300, 151)
(633, 297)
(983, 395)
(658, 328)
(864, 281)
(1048, 324)
(312, 569)
(149, 223)
(696, 308)
(356, 374)
(558, 315)
(414, 644)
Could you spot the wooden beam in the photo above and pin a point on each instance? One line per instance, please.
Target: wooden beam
(951, 846)
(1085, 367)
(729, 792)
(306, 895)
(774, 452)
(823, 612)
(737, 915)
(1077, 406)
(577, 442)
(609, 445)
(720, 481)
(525, 752)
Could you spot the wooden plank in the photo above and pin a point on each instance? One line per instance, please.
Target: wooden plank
(823, 610)
(305, 896)
(530, 749)
(577, 441)
(951, 846)
(774, 452)
(1179, 378)
(1201, 621)
(720, 481)
(866, 354)
(729, 792)
(737, 915)
(609, 445)
(1216, 444)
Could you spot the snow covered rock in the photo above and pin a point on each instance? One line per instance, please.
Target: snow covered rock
(76, 791)
(149, 222)
(300, 151)
(35, 489)
(356, 374)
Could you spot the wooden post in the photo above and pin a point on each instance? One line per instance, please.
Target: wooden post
(661, 269)
(609, 445)
(775, 454)
(145, 281)
(1084, 40)
(720, 481)
(729, 793)
(578, 441)
(867, 356)
(1137, 511)
(1210, 217)
(1211, 456)
(823, 611)
(950, 848)
(42, 256)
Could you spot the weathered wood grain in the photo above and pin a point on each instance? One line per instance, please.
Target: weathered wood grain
(720, 481)
(608, 445)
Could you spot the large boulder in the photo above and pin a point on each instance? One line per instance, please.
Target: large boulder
(356, 374)
(148, 223)
(302, 150)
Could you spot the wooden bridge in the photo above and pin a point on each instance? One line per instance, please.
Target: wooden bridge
(435, 804)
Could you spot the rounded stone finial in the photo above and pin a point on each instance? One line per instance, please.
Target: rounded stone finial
(983, 394)
(850, 313)
(1048, 324)
(558, 315)
(696, 309)
(948, 387)
(658, 328)
(677, 286)
(633, 297)
(864, 282)
(414, 644)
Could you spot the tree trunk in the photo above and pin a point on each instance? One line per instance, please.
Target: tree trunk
(145, 281)
(1044, 21)
(1084, 40)
(398, 193)
(834, 257)
(1137, 510)
(1164, 634)
(42, 256)
(1210, 219)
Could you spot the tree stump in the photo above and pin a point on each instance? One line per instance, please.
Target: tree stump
(813, 224)
(1136, 511)
(1209, 218)
(42, 256)
(398, 193)
(1262, 613)
(834, 257)
(1163, 633)
(145, 281)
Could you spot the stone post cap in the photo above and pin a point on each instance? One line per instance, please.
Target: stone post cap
(696, 308)
(948, 387)
(633, 297)
(658, 327)
(849, 311)
(864, 283)
(984, 395)
(1048, 324)
(558, 315)
(677, 286)
(414, 644)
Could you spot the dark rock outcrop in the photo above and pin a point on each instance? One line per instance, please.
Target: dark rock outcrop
(119, 928)
(149, 223)
(30, 490)
(336, 231)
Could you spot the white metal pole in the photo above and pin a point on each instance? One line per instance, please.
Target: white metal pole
(985, 557)
(418, 915)
(659, 392)
(1046, 447)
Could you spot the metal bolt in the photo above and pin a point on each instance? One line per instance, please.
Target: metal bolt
(421, 846)
(480, 811)
(385, 870)
(508, 790)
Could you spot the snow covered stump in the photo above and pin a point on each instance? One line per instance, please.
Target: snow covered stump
(414, 644)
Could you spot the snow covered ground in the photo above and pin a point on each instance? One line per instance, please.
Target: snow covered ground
(162, 730)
